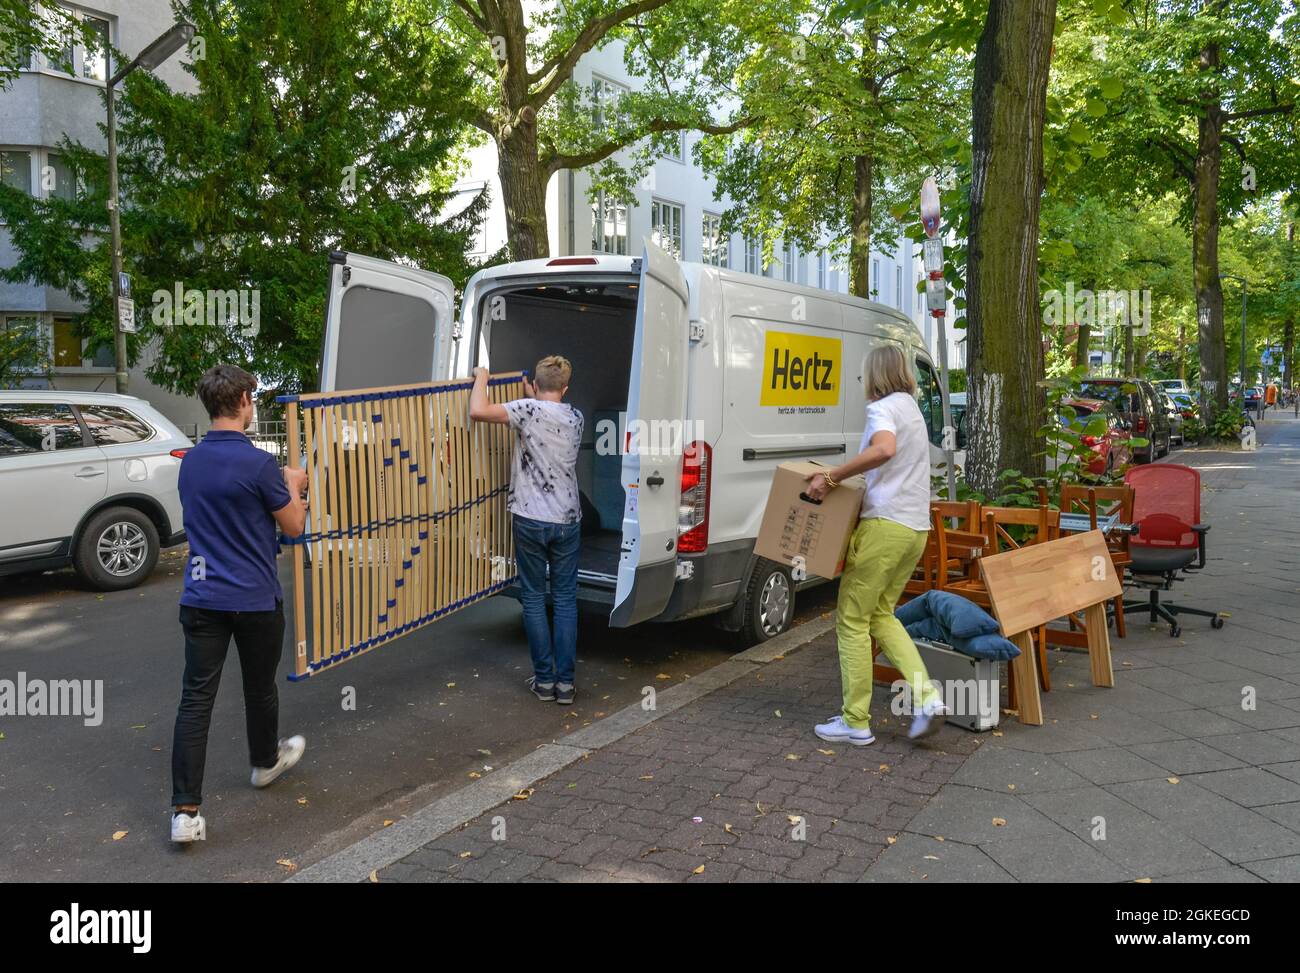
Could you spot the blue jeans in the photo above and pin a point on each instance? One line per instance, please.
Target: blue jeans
(540, 546)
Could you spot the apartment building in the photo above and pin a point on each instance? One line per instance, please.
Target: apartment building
(38, 109)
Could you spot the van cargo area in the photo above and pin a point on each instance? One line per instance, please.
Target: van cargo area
(592, 324)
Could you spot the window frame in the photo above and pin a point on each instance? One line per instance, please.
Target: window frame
(719, 253)
(82, 432)
(658, 206)
(599, 205)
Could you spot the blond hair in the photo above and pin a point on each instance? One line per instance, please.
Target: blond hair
(888, 372)
(552, 374)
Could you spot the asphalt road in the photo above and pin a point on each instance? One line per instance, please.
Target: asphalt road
(432, 710)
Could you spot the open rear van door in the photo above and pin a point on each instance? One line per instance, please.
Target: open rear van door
(385, 324)
(652, 467)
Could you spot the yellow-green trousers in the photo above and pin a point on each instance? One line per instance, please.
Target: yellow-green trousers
(882, 556)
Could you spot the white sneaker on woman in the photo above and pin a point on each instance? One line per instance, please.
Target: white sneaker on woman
(928, 719)
(837, 731)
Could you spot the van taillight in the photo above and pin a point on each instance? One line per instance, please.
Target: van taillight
(693, 511)
(571, 261)
(1142, 424)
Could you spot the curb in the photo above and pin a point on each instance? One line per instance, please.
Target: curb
(381, 849)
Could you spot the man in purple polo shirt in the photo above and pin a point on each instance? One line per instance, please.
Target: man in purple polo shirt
(233, 495)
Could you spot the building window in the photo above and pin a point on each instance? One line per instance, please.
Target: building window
(715, 242)
(94, 58)
(821, 269)
(677, 148)
(58, 178)
(787, 262)
(605, 96)
(873, 286)
(67, 344)
(608, 224)
(16, 169)
(24, 341)
(753, 255)
(666, 226)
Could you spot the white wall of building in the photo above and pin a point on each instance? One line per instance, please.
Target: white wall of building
(37, 110)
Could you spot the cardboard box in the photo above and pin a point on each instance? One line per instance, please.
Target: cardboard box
(797, 528)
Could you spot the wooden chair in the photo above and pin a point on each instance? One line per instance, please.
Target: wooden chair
(1103, 501)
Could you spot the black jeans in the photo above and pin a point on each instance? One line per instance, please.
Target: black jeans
(259, 638)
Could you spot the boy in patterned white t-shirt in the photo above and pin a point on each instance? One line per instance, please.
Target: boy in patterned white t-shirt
(547, 516)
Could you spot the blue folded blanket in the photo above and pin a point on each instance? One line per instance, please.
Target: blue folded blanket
(939, 616)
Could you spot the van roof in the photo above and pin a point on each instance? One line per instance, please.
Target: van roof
(901, 328)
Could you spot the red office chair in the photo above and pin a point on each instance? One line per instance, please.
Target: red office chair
(1170, 537)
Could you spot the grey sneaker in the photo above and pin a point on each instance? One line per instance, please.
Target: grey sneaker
(564, 693)
(545, 691)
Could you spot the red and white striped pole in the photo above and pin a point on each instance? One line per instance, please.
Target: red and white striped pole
(936, 301)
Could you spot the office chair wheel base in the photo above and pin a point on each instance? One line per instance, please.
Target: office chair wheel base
(1175, 631)
(1216, 622)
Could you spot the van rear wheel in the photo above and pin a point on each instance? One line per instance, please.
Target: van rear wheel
(769, 603)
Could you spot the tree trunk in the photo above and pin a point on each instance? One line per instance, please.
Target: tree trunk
(1205, 246)
(1081, 344)
(1012, 62)
(1182, 345)
(1288, 328)
(1130, 361)
(860, 242)
(523, 193)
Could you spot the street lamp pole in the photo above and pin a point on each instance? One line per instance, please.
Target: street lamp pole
(155, 54)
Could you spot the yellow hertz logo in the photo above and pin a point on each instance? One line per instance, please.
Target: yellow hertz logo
(799, 369)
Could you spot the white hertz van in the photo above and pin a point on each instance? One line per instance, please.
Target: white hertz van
(736, 371)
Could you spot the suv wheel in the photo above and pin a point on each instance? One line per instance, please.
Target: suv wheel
(769, 603)
(118, 549)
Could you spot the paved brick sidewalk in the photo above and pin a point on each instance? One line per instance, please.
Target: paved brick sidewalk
(1106, 757)
(743, 758)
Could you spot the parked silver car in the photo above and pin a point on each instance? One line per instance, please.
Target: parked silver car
(87, 479)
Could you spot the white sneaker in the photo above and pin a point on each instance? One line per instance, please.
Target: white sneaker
(928, 720)
(188, 827)
(837, 731)
(290, 753)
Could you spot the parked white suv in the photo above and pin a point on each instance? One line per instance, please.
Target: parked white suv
(87, 479)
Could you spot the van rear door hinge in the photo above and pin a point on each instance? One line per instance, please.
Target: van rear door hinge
(697, 330)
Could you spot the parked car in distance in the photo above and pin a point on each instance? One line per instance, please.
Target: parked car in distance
(1110, 448)
(1175, 414)
(1254, 396)
(1138, 403)
(1187, 405)
(87, 479)
(1173, 385)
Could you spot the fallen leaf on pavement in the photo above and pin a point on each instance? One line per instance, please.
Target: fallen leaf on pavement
(883, 768)
(374, 876)
(465, 854)
(931, 858)
(119, 835)
(646, 777)
(1173, 780)
(388, 822)
(1142, 881)
(999, 822)
(302, 801)
(777, 712)
(791, 756)
(524, 795)
(286, 863)
(451, 685)
(475, 774)
(698, 871)
(892, 840)
(829, 753)
(727, 828)
(663, 675)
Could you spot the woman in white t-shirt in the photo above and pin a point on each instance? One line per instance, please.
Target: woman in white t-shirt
(885, 548)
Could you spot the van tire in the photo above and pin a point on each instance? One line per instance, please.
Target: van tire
(767, 609)
(138, 540)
